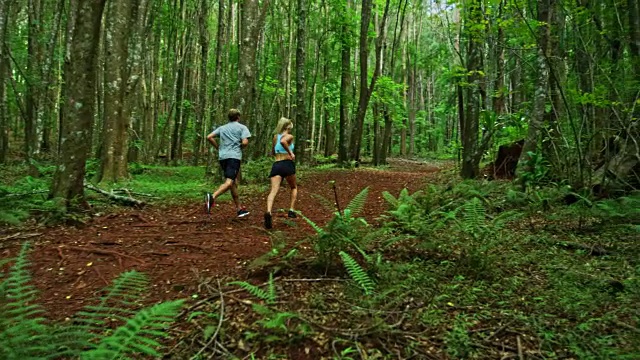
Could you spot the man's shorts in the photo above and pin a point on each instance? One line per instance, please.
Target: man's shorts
(283, 168)
(231, 168)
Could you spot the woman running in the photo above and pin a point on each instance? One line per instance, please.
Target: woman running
(284, 167)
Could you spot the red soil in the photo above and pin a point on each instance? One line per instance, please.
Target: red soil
(179, 246)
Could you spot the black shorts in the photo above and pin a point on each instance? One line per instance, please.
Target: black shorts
(283, 168)
(231, 168)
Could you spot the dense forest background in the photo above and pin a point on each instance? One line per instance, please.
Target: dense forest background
(144, 81)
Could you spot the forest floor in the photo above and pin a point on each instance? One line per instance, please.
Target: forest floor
(461, 269)
(177, 245)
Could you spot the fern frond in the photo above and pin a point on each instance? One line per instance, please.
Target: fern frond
(357, 203)
(474, 216)
(315, 227)
(255, 291)
(326, 203)
(137, 336)
(390, 199)
(88, 324)
(272, 289)
(23, 332)
(357, 273)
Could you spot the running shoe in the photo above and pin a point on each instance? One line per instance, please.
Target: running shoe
(242, 213)
(267, 221)
(209, 202)
(292, 214)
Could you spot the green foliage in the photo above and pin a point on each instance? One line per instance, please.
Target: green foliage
(536, 170)
(357, 203)
(25, 334)
(357, 273)
(23, 330)
(269, 295)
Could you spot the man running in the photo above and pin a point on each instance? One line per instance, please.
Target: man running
(233, 138)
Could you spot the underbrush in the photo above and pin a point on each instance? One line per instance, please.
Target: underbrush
(24, 190)
(471, 270)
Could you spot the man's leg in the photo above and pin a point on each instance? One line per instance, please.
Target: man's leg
(228, 183)
(234, 194)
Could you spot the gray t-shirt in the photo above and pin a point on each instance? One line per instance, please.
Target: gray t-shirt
(231, 135)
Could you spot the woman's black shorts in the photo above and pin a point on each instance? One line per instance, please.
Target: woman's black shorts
(283, 168)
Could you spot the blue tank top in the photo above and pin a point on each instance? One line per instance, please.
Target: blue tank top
(279, 149)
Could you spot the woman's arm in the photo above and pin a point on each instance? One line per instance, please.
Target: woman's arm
(285, 141)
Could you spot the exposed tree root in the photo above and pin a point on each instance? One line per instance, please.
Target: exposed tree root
(115, 254)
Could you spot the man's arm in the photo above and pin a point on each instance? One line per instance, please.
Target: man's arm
(245, 142)
(211, 138)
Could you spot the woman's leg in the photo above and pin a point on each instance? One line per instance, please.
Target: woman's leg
(275, 186)
(294, 190)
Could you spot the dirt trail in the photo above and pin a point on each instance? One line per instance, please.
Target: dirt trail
(177, 246)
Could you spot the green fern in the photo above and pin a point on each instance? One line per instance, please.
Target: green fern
(356, 205)
(269, 296)
(474, 216)
(118, 304)
(137, 336)
(24, 334)
(326, 203)
(357, 273)
(315, 227)
(390, 199)
(23, 331)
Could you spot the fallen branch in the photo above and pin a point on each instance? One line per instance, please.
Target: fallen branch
(125, 200)
(215, 334)
(19, 236)
(24, 194)
(187, 245)
(129, 192)
(116, 254)
(593, 250)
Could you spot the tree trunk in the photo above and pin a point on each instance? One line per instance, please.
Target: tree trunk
(386, 142)
(344, 87)
(201, 110)
(366, 89)
(301, 118)
(470, 125)
(113, 155)
(33, 80)
(4, 124)
(536, 121)
(77, 123)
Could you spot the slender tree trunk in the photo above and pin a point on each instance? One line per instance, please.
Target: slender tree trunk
(469, 127)
(536, 121)
(80, 78)
(301, 117)
(4, 124)
(116, 124)
(366, 89)
(201, 111)
(344, 88)
(32, 95)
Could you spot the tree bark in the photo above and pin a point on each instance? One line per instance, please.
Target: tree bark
(536, 121)
(301, 117)
(470, 125)
(366, 89)
(33, 79)
(345, 69)
(201, 110)
(113, 155)
(80, 79)
(4, 125)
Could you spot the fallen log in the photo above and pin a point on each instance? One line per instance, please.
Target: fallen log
(125, 200)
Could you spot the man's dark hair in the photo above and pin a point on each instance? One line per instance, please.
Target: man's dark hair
(234, 115)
